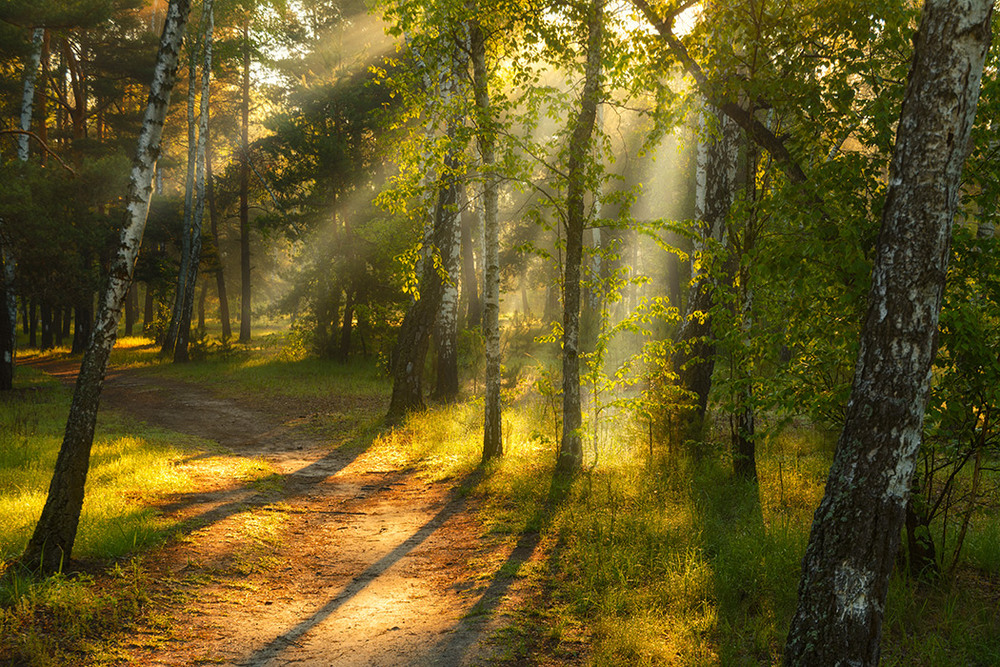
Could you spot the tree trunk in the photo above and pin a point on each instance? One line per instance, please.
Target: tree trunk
(32, 324)
(148, 308)
(7, 339)
(187, 306)
(571, 446)
(220, 274)
(743, 431)
(414, 334)
(46, 316)
(694, 357)
(202, 296)
(471, 306)
(184, 270)
(446, 327)
(8, 320)
(856, 530)
(51, 545)
(43, 96)
(130, 310)
(487, 136)
(62, 326)
(83, 321)
(244, 190)
(344, 353)
(28, 96)
(60, 321)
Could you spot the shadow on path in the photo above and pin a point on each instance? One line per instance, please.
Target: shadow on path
(275, 647)
(461, 643)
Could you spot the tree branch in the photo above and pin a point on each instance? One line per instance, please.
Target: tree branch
(44, 146)
(760, 134)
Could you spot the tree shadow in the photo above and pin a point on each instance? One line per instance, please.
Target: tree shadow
(471, 630)
(454, 505)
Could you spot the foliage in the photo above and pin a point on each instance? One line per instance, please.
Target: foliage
(962, 441)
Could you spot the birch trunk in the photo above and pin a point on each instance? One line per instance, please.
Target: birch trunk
(446, 328)
(471, 306)
(220, 274)
(170, 340)
(856, 530)
(415, 332)
(28, 95)
(492, 419)
(244, 190)
(571, 446)
(8, 323)
(51, 545)
(187, 309)
(694, 358)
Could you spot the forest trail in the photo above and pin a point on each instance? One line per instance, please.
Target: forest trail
(318, 557)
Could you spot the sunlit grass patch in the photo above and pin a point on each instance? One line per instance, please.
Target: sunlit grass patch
(668, 563)
(257, 535)
(136, 352)
(128, 469)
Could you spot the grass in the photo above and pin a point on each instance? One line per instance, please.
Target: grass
(638, 561)
(130, 465)
(80, 616)
(673, 562)
(53, 621)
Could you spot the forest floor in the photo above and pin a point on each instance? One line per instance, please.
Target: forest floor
(290, 551)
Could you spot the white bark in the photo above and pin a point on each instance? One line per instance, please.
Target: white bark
(52, 542)
(492, 422)
(28, 96)
(856, 529)
(447, 318)
(187, 308)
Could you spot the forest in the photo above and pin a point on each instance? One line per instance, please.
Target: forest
(547, 332)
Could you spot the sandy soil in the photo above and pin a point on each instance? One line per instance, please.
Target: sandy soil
(339, 559)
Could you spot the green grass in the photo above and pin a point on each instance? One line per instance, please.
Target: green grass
(129, 467)
(57, 620)
(637, 562)
(675, 563)
(269, 365)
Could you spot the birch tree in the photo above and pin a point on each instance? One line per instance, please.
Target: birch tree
(170, 338)
(492, 422)
(444, 51)
(856, 530)
(694, 360)
(51, 545)
(187, 306)
(446, 327)
(245, 311)
(571, 446)
(8, 335)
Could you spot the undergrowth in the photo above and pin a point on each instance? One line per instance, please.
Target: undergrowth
(672, 562)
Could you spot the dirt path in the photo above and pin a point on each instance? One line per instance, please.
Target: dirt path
(336, 559)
